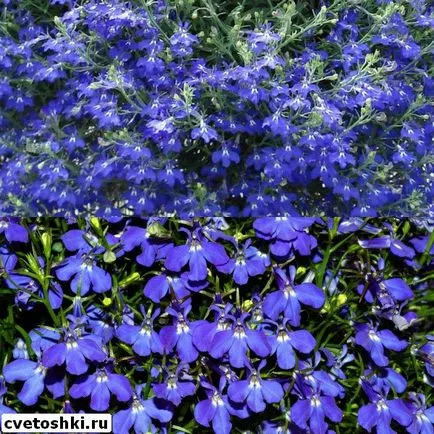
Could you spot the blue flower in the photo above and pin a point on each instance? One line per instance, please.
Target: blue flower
(375, 341)
(32, 373)
(226, 155)
(144, 339)
(256, 391)
(289, 297)
(237, 340)
(312, 409)
(86, 274)
(216, 410)
(248, 262)
(427, 354)
(204, 131)
(179, 336)
(75, 351)
(158, 286)
(197, 252)
(140, 416)
(151, 247)
(423, 416)
(85, 242)
(100, 386)
(175, 387)
(13, 231)
(286, 342)
(204, 331)
(381, 411)
(286, 234)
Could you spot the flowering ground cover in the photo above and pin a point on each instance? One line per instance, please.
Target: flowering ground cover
(200, 107)
(271, 325)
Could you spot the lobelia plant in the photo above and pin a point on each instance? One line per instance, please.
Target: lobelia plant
(202, 108)
(328, 330)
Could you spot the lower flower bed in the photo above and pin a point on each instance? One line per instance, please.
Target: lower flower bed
(291, 325)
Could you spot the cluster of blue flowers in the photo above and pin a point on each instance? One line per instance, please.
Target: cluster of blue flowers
(290, 325)
(203, 108)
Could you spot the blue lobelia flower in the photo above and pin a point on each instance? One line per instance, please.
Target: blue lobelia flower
(237, 340)
(385, 378)
(75, 350)
(386, 291)
(249, 261)
(25, 286)
(286, 234)
(86, 274)
(176, 386)
(335, 362)
(100, 386)
(375, 341)
(32, 373)
(13, 231)
(152, 247)
(285, 343)
(307, 376)
(381, 411)
(396, 246)
(255, 391)
(289, 297)
(197, 252)
(204, 331)
(43, 338)
(141, 415)
(179, 336)
(144, 339)
(100, 322)
(216, 410)
(312, 409)
(423, 416)
(158, 286)
(85, 241)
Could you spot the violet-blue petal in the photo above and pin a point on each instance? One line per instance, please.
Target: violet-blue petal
(310, 295)
(399, 289)
(390, 341)
(221, 422)
(54, 355)
(272, 391)
(238, 390)
(156, 288)
(302, 340)
(204, 412)
(333, 412)
(257, 341)
(177, 257)
(91, 350)
(274, 303)
(215, 253)
(100, 397)
(300, 412)
(120, 387)
(123, 420)
(101, 280)
(221, 343)
(31, 390)
(19, 370)
(127, 333)
(399, 411)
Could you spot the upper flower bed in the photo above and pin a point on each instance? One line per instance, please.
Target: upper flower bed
(203, 107)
